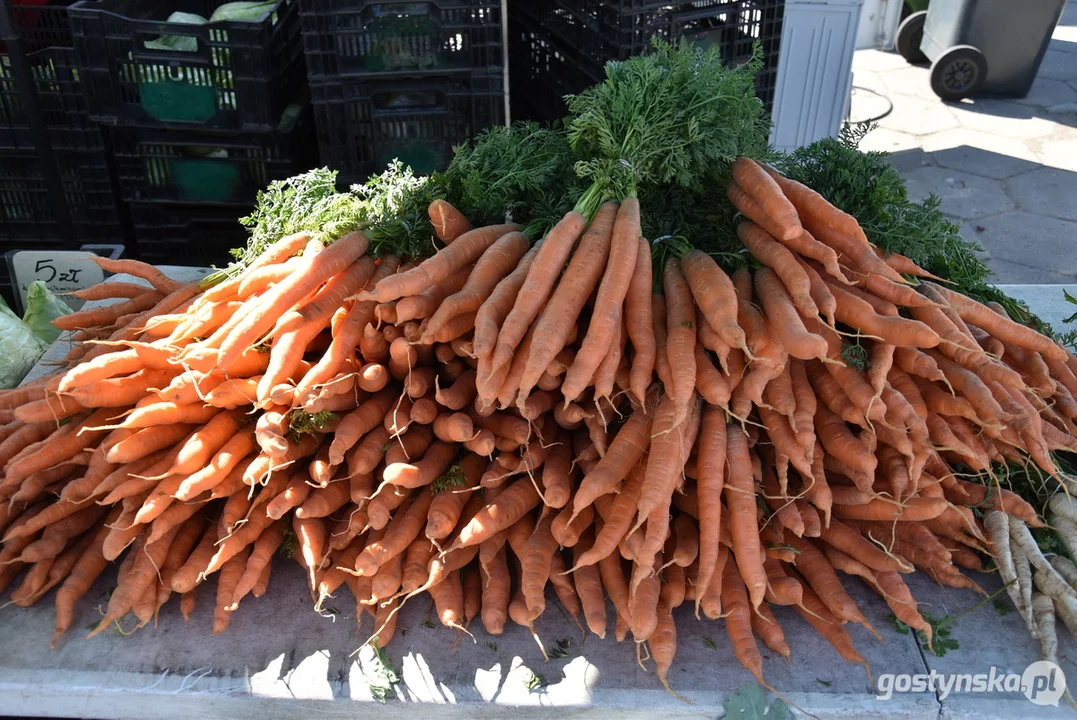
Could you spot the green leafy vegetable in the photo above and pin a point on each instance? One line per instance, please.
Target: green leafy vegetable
(749, 702)
(534, 681)
(525, 170)
(393, 211)
(453, 477)
(20, 348)
(561, 651)
(289, 544)
(243, 11)
(42, 307)
(387, 675)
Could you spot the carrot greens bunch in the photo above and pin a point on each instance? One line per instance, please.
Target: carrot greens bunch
(525, 170)
(670, 117)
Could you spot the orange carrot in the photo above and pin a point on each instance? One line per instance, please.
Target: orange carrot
(739, 493)
(738, 621)
(638, 323)
(784, 264)
(449, 223)
(609, 300)
(282, 296)
(583, 273)
(464, 250)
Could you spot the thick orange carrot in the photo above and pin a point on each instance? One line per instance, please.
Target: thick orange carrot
(449, 223)
(755, 181)
(783, 321)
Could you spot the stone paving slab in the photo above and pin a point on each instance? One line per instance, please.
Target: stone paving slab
(963, 195)
(1023, 238)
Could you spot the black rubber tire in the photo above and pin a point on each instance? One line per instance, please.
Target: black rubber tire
(909, 34)
(958, 73)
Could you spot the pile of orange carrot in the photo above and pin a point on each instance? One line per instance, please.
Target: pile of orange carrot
(502, 417)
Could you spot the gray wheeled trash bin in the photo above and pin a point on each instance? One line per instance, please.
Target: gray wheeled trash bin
(992, 47)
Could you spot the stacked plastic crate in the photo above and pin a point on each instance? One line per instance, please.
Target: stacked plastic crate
(60, 196)
(559, 47)
(199, 115)
(402, 79)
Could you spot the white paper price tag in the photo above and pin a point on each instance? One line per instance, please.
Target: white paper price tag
(61, 270)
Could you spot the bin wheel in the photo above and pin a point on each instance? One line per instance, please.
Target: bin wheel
(958, 73)
(909, 34)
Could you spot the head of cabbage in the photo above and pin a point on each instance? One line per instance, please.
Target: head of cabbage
(42, 307)
(20, 348)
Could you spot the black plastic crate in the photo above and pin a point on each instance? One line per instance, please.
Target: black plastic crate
(593, 32)
(26, 216)
(393, 37)
(41, 24)
(225, 75)
(199, 235)
(59, 97)
(362, 126)
(155, 165)
(45, 40)
(542, 71)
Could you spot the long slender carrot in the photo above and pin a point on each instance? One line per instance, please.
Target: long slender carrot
(739, 493)
(282, 296)
(637, 314)
(709, 488)
(680, 339)
(738, 621)
(609, 300)
(624, 453)
(464, 250)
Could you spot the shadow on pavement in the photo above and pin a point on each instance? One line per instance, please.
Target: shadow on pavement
(1020, 212)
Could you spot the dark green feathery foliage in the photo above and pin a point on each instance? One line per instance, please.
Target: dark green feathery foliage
(670, 117)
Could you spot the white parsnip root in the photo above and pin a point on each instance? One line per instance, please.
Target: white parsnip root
(1066, 529)
(1043, 610)
(1064, 506)
(998, 530)
(1022, 539)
